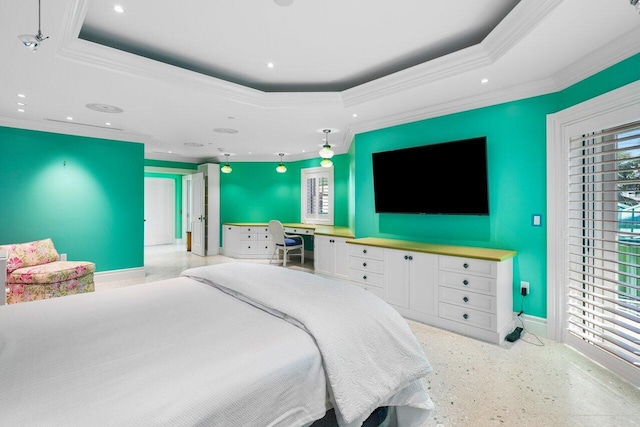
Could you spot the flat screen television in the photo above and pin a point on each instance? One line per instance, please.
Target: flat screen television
(444, 178)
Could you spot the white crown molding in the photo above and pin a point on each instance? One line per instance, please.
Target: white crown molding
(508, 94)
(526, 16)
(610, 54)
(455, 63)
(523, 19)
(87, 53)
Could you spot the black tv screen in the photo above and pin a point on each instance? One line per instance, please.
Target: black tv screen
(444, 178)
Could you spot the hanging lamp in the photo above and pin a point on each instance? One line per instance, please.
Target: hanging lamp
(281, 168)
(326, 152)
(226, 168)
(30, 41)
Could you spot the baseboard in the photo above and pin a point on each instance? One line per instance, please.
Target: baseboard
(532, 324)
(117, 275)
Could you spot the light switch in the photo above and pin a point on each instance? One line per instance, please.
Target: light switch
(536, 220)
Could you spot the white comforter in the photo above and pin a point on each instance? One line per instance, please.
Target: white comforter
(170, 353)
(371, 357)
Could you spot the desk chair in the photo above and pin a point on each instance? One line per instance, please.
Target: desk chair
(284, 242)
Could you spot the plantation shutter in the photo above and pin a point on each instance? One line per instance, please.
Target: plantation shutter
(604, 241)
(317, 196)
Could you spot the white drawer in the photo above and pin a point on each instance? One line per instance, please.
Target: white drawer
(366, 277)
(249, 247)
(304, 231)
(372, 252)
(468, 265)
(373, 289)
(466, 315)
(468, 281)
(467, 299)
(366, 264)
(265, 247)
(252, 229)
(265, 236)
(248, 236)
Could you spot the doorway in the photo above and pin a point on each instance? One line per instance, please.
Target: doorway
(159, 211)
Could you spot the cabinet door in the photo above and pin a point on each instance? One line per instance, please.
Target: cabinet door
(396, 277)
(341, 258)
(322, 255)
(423, 283)
(231, 240)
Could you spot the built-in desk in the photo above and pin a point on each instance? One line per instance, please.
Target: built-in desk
(253, 240)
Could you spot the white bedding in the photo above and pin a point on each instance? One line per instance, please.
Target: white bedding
(371, 357)
(170, 353)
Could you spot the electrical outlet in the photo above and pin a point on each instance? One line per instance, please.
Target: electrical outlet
(524, 288)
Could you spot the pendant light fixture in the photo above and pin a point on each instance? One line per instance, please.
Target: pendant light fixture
(326, 152)
(30, 41)
(226, 168)
(281, 168)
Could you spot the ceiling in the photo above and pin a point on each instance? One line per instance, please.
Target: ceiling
(191, 79)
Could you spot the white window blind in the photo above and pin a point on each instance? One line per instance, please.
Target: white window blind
(604, 241)
(317, 196)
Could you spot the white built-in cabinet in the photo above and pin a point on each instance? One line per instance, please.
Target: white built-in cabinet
(467, 295)
(247, 241)
(330, 256)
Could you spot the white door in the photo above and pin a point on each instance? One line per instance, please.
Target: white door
(159, 211)
(198, 215)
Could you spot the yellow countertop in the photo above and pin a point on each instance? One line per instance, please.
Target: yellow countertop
(462, 251)
(322, 230)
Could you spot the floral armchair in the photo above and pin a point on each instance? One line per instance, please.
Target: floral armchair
(35, 271)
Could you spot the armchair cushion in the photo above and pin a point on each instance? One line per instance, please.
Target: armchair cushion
(53, 272)
(29, 254)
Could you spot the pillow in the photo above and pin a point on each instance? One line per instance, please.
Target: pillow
(29, 254)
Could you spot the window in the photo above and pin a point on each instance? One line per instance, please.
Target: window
(317, 196)
(604, 241)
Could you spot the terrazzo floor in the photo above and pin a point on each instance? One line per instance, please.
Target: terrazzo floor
(532, 382)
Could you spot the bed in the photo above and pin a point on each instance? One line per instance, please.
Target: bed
(236, 344)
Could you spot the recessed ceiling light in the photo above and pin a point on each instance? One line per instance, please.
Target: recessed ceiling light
(118, 8)
(20, 103)
(483, 81)
(355, 115)
(20, 110)
(270, 65)
(69, 118)
(21, 95)
(108, 124)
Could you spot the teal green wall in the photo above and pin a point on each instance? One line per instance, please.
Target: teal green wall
(84, 193)
(177, 197)
(516, 151)
(254, 191)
